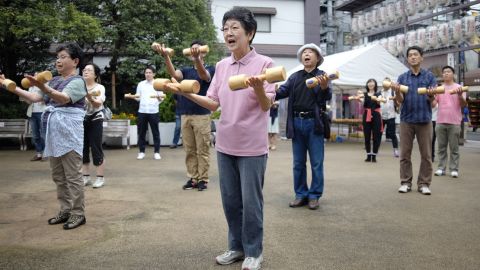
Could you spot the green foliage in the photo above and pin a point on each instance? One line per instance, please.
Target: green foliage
(167, 109)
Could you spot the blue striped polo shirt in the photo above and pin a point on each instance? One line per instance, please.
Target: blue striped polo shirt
(416, 108)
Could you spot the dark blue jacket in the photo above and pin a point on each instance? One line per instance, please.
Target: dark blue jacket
(287, 89)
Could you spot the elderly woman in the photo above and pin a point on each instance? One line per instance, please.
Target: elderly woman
(62, 123)
(93, 126)
(242, 142)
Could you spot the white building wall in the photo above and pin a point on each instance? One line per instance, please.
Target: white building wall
(287, 26)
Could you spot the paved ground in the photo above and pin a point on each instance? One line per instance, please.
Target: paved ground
(142, 219)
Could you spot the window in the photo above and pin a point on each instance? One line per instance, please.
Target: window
(263, 23)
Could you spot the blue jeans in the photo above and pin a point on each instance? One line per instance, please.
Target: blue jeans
(178, 128)
(241, 184)
(305, 140)
(37, 139)
(143, 120)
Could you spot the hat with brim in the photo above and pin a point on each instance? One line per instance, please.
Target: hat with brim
(312, 47)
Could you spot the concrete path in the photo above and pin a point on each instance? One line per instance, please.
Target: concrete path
(142, 219)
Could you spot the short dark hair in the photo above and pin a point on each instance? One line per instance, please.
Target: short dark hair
(420, 50)
(244, 16)
(448, 67)
(74, 51)
(371, 80)
(149, 67)
(197, 41)
(96, 70)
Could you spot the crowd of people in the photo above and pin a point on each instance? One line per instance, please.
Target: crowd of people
(68, 112)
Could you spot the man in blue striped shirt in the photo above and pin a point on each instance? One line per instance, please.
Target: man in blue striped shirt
(415, 120)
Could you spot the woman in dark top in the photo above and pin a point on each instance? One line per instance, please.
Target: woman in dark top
(372, 120)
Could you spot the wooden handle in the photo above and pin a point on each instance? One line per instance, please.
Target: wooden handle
(438, 90)
(159, 84)
(271, 75)
(157, 96)
(387, 84)
(378, 99)
(312, 82)
(43, 77)
(464, 89)
(203, 49)
(169, 51)
(8, 84)
(131, 96)
(354, 98)
(189, 86)
(275, 74)
(238, 82)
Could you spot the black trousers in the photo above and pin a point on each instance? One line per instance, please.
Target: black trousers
(390, 132)
(143, 120)
(372, 128)
(92, 139)
(434, 138)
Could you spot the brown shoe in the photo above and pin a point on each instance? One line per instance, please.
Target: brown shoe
(313, 204)
(36, 158)
(298, 203)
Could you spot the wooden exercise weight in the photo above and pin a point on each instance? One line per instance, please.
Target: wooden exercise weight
(312, 82)
(94, 93)
(131, 96)
(185, 86)
(464, 89)
(378, 99)
(387, 84)
(271, 75)
(8, 84)
(43, 77)
(169, 51)
(203, 49)
(438, 90)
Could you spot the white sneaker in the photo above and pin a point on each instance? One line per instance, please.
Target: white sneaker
(86, 180)
(395, 152)
(404, 189)
(252, 263)
(425, 190)
(454, 174)
(141, 155)
(157, 156)
(439, 172)
(229, 257)
(99, 182)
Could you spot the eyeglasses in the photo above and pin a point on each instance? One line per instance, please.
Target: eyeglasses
(234, 29)
(88, 69)
(63, 57)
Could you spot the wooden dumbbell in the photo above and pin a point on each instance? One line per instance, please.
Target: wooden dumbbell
(158, 96)
(391, 97)
(131, 96)
(43, 77)
(186, 86)
(378, 99)
(203, 49)
(94, 93)
(464, 89)
(169, 51)
(271, 75)
(438, 90)
(312, 82)
(387, 84)
(357, 97)
(8, 84)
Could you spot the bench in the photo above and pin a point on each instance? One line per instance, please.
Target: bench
(14, 128)
(117, 128)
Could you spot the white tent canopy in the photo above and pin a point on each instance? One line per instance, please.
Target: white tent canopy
(359, 65)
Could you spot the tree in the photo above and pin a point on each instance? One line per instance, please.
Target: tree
(27, 30)
(132, 25)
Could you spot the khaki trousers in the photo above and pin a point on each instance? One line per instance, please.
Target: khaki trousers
(196, 142)
(423, 132)
(448, 134)
(67, 175)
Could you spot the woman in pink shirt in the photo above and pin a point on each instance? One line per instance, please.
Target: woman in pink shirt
(242, 142)
(449, 118)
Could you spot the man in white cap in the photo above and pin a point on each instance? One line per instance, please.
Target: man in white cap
(305, 124)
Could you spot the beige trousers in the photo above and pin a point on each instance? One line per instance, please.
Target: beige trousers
(196, 142)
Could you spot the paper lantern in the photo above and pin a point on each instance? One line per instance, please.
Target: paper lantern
(368, 20)
(421, 37)
(391, 16)
(432, 37)
(400, 38)
(431, 4)
(411, 7)
(374, 18)
(361, 23)
(443, 34)
(392, 45)
(455, 31)
(382, 14)
(384, 43)
(421, 5)
(355, 25)
(468, 26)
(411, 38)
(400, 9)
